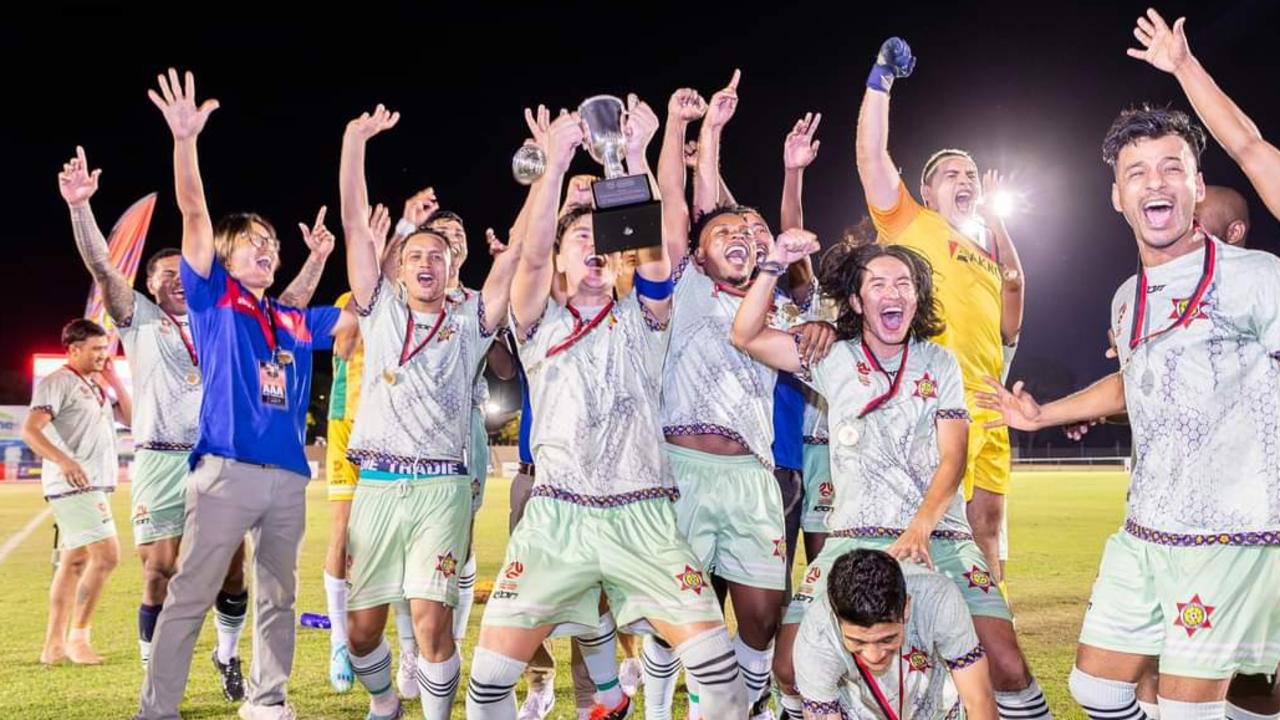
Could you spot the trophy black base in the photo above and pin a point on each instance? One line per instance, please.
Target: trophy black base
(627, 227)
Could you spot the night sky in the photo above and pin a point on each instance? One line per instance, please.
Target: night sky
(1029, 91)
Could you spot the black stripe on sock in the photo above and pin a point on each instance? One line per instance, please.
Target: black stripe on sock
(596, 640)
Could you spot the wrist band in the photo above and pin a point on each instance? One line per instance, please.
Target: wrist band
(405, 228)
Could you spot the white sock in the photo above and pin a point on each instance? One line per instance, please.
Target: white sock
(439, 685)
(466, 598)
(599, 653)
(1235, 712)
(1103, 699)
(1178, 710)
(374, 673)
(711, 671)
(228, 614)
(335, 593)
(404, 627)
(792, 707)
(1153, 709)
(755, 666)
(491, 688)
(1026, 704)
(144, 649)
(660, 669)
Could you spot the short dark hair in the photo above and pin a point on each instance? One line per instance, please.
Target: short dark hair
(866, 588)
(79, 330)
(568, 218)
(695, 232)
(158, 256)
(1149, 122)
(843, 270)
(440, 214)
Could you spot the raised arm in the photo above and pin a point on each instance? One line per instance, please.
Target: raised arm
(532, 283)
(364, 267)
(186, 121)
(750, 332)
(77, 185)
(876, 169)
(320, 242)
(1013, 293)
(497, 286)
(1167, 49)
(706, 179)
(684, 107)
(799, 150)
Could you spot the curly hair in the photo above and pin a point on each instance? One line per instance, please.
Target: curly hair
(843, 270)
(1149, 122)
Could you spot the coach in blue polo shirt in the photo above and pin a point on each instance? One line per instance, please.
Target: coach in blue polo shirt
(249, 473)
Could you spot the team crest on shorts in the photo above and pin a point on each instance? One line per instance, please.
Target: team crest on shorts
(826, 491)
(812, 576)
(1180, 306)
(979, 578)
(1194, 615)
(446, 564)
(926, 387)
(141, 515)
(780, 547)
(691, 579)
(514, 570)
(917, 660)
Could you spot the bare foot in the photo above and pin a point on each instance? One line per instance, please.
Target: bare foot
(55, 655)
(80, 653)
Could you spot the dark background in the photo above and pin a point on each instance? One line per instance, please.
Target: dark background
(1028, 88)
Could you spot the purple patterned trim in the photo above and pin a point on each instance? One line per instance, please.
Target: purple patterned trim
(605, 501)
(886, 532)
(680, 267)
(405, 465)
(956, 414)
(164, 446)
(652, 321)
(80, 491)
(712, 429)
(1264, 537)
(824, 708)
(967, 659)
(813, 293)
(815, 440)
(363, 311)
(46, 408)
(480, 315)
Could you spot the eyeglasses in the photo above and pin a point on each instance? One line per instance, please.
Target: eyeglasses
(261, 241)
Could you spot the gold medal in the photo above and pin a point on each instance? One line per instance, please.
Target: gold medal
(848, 434)
(389, 376)
(284, 357)
(193, 378)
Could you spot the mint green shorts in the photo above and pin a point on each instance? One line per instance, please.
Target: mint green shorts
(83, 519)
(562, 555)
(158, 494)
(407, 538)
(819, 491)
(1208, 611)
(730, 510)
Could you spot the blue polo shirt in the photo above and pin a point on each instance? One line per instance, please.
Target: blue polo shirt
(230, 329)
(788, 422)
(526, 416)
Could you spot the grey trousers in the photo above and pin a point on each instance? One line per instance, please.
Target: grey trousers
(226, 499)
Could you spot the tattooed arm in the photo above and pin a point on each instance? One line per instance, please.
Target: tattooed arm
(320, 241)
(77, 185)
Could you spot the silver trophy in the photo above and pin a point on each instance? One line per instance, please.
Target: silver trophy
(602, 118)
(529, 163)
